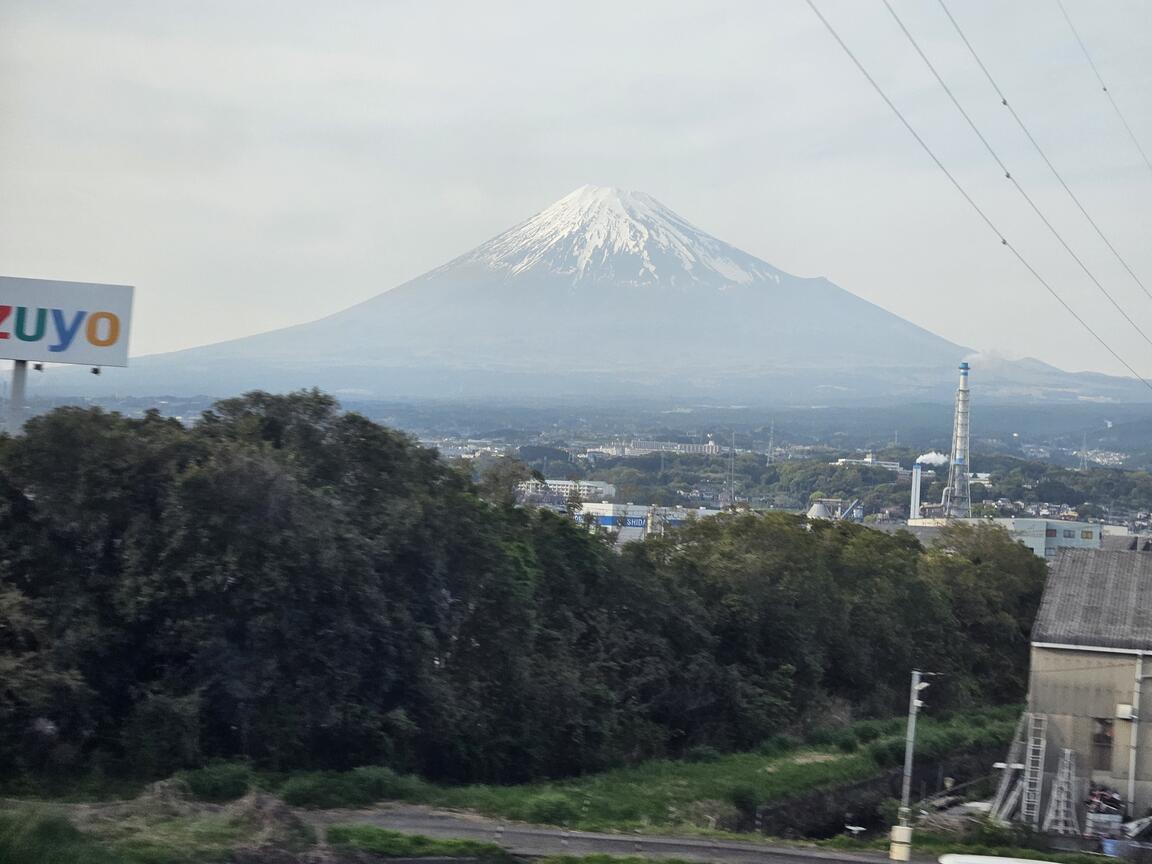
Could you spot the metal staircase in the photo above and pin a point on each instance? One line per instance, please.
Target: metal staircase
(1033, 783)
(1061, 817)
(1007, 794)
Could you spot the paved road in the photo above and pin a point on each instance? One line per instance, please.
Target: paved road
(543, 840)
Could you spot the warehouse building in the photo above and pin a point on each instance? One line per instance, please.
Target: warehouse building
(1083, 757)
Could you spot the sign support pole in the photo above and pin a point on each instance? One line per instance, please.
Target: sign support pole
(16, 396)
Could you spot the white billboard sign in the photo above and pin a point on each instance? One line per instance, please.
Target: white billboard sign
(64, 322)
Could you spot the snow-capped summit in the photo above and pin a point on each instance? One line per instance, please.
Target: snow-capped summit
(604, 292)
(602, 233)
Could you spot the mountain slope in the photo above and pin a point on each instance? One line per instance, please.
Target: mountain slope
(606, 291)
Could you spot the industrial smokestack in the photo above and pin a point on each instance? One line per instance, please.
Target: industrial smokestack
(957, 500)
(914, 506)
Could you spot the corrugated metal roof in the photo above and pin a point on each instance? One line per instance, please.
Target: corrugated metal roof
(1099, 598)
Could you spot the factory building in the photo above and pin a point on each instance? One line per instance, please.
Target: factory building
(1045, 537)
(630, 522)
(1082, 759)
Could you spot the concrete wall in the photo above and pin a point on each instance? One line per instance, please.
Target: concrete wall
(1033, 533)
(1073, 688)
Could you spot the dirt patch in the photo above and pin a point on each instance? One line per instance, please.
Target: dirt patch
(161, 801)
(807, 758)
(811, 758)
(269, 824)
(717, 815)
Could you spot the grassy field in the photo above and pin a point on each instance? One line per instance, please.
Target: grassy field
(153, 829)
(704, 792)
(661, 792)
(39, 838)
(394, 844)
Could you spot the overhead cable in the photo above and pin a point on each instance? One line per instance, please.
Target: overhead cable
(963, 192)
(1104, 86)
(1008, 174)
(1036, 145)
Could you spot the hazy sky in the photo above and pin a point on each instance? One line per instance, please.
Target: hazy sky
(251, 164)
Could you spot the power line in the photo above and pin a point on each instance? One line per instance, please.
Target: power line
(1104, 86)
(979, 211)
(1008, 174)
(1036, 145)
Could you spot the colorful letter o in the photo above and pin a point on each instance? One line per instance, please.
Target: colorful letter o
(110, 337)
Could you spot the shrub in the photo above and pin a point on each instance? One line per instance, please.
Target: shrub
(325, 790)
(29, 838)
(554, 808)
(887, 752)
(162, 734)
(830, 736)
(777, 745)
(220, 781)
(822, 736)
(384, 783)
(702, 753)
(938, 743)
(393, 844)
(359, 787)
(985, 832)
(744, 797)
(869, 730)
(889, 810)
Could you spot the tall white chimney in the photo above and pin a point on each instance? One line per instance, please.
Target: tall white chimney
(957, 499)
(914, 506)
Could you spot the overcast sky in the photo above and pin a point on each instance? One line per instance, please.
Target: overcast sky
(250, 165)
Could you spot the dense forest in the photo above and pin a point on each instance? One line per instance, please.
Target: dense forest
(297, 586)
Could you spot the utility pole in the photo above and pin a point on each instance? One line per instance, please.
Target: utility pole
(16, 396)
(901, 846)
(732, 473)
(1134, 734)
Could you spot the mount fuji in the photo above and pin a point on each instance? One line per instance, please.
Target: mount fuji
(606, 292)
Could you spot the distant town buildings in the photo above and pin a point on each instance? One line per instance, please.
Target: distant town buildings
(870, 461)
(588, 490)
(643, 448)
